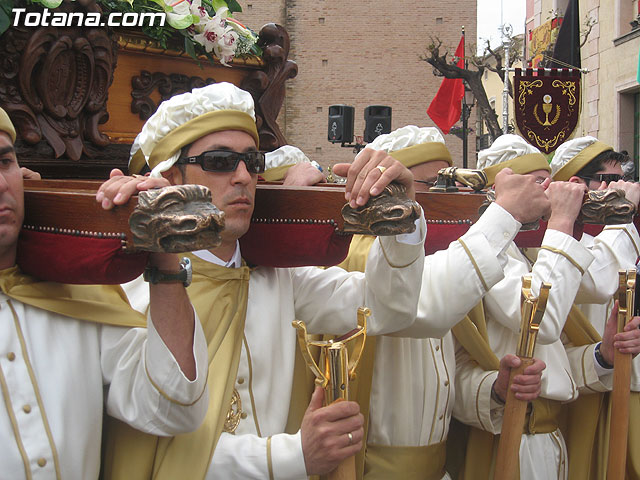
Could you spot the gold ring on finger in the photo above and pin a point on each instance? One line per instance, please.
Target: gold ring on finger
(381, 168)
(350, 435)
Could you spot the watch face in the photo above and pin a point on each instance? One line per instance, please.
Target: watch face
(187, 271)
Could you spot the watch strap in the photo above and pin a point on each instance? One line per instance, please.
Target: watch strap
(154, 275)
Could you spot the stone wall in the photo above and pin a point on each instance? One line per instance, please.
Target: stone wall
(360, 53)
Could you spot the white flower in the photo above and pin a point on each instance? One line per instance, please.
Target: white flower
(178, 13)
(218, 37)
(199, 12)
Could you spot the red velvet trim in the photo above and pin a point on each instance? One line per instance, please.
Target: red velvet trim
(440, 236)
(293, 245)
(77, 260)
(87, 260)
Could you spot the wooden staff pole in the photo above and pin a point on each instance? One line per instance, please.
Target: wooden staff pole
(345, 471)
(619, 424)
(515, 410)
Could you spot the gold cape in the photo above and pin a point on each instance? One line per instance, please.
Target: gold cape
(105, 304)
(220, 296)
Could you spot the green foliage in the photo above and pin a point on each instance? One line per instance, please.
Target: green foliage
(5, 15)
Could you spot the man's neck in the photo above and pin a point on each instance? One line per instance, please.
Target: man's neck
(225, 251)
(7, 258)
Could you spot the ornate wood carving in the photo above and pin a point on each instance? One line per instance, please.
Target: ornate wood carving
(54, 84)
(167, 85)
(267, 86)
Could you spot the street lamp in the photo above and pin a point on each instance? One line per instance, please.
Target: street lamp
(467, 104)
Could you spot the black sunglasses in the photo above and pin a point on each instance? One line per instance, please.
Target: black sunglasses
(227, 161)
(604, 177)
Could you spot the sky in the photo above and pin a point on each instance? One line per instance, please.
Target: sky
(489, 14)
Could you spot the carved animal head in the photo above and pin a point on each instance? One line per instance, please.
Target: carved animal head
(607, 207)
(176, 219)
(476, 179)
(390, 213)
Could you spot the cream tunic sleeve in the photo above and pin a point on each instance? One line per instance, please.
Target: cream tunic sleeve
(616, 247)
(561, 262)
(147, 388)
(455, 280)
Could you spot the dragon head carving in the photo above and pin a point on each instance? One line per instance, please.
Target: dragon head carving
(606, 207)
(390, 213)
(176, 219)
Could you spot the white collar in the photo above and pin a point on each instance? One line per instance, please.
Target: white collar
(207, 256)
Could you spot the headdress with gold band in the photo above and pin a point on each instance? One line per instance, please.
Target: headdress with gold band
(6, 125)
(574, 155)
(513, 152)
(182, 119)
(280, 160)
(412, 145)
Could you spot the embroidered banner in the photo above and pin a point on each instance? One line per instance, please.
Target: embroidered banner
(547, 106)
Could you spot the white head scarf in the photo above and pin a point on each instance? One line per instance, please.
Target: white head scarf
(412, 145)
(180, 109)
(506, 147)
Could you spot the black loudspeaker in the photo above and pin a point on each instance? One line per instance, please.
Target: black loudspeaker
(341, 123)
(377, 120)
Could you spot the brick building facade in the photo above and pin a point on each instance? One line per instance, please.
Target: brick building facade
(360, 53)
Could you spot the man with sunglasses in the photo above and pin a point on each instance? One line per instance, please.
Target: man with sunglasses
(588, 161)
(209, 137)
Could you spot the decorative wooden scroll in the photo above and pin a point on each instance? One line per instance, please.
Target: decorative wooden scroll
(79, 96)
(167, 84)
(54, 84)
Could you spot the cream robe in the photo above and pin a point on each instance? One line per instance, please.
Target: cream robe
(56, 376)
(562, 266)
(327, 301)
(412, 390)
(624, 244)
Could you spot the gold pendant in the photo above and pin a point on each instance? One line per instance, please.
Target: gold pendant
(234, 413)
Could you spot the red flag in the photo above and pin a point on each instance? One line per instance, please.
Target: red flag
(446, 106)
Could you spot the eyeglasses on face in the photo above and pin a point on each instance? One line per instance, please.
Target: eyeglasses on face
(227, 161)
(603, 177)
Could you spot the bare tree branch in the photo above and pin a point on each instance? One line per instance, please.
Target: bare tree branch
(588, 25)
(473, 78)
